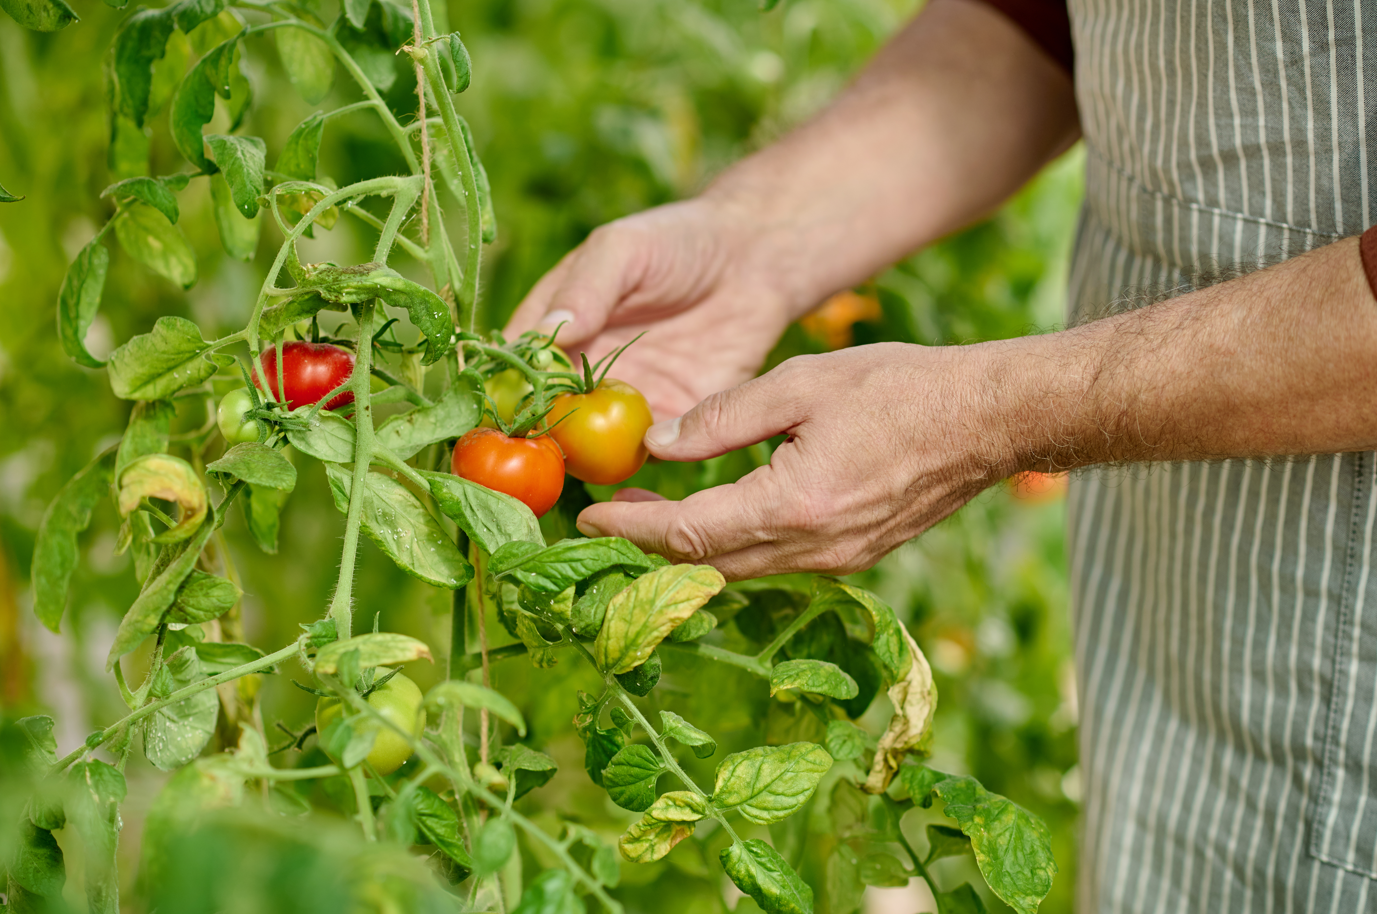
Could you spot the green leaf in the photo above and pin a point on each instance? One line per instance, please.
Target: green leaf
(402, 528)
(129, 148)
(760, 872)
(564, 564)
(552, 892)
(674, 727)
(669, 820)
(1013, 847)
(630, 777)
(590, 607)
(330, 438)
(600, 746)
(156, 192)
(238, 235)
(193, 105)
(462, 63)
(160, 364)
(493, 846)
(168, 478)
(309, 62)
(641, 680)
(148, 432)
(55, 550)
(40, 15)
(301, 152)
(37, 865)
(264, 511)
(351, 285)
(357, 13)
(295, 309)
(485, 207)
(770, 783)
(438, 821)
(456, 693)
(375, 649)
(491, 519)
(888, 642)
(79, 300)
(93, 809)
(593, 854)
(845, 741)
(140, 42)
(914, 698)
(218, 657)
(961, 900)
(531, 769)
(639, 617)
(147, 236)
(945, 841)
(457, 411)
(188, 14)
(203, 597)
(816, 676)
(256, 464)
(883, 870)
(242, 160)
(143, 618)
(7, 197)
(176, 734)
(694, 627)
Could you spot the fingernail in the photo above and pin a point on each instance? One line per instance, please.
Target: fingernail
(554, 318)
(663, 434)
(588, 529)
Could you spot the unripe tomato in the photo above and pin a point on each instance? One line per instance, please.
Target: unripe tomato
(602, 434)
(509, 389)
(230, 417)
(528, 469)
(399, 701)
(309, 372)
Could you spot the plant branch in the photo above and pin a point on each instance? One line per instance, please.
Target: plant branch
(720, 655)
(364, 802)
(808, 615)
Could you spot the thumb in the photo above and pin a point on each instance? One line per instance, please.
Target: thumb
(744, 415)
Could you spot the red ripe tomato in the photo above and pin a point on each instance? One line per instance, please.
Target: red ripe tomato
(528, 469)
(309, 372)
(600, 432)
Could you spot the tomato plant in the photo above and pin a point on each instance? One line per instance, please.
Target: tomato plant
(601, 432)
(738, 723)
(310, 372)
(530, 470)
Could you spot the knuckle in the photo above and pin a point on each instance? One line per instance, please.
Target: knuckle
(686, 541)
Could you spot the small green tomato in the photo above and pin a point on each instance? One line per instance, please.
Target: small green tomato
(231, 417)
(399, 701)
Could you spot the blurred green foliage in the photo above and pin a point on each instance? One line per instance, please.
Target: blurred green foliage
(584, 111)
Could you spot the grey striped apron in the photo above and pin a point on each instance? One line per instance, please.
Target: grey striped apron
(1226, 613)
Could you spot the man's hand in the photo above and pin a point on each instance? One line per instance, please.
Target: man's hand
(884, 441)
(688, 276)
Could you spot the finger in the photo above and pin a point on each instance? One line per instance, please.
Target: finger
(637, 495)
(534, 308)
(744, 415)
(707, 523)
(599, 274)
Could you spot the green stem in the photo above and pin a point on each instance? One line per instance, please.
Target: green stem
(402, 203)
(340, 609)
(720, 655)
(350, 109)
(364, 802)
(917, 862)
(181, 694)
(411, 247)
(295, 774)
(809, 614)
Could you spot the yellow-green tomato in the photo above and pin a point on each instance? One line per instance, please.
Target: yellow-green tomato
(231, 417)
(399, 701)
(509, 389)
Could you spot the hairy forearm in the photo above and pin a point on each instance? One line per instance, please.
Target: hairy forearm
(1282, 361)
(952, 117)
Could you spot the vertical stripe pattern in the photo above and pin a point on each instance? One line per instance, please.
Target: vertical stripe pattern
(1225, 613)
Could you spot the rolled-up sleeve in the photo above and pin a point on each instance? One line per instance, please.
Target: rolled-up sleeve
(1046, 22)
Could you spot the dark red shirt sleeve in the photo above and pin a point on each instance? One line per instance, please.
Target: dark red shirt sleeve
(1046, 22)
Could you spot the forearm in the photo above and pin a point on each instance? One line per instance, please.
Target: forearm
(952, 117)
(1282, 361)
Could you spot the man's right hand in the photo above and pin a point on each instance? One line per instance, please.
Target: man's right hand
(691, 277)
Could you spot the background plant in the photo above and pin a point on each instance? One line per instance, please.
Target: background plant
(591, 110)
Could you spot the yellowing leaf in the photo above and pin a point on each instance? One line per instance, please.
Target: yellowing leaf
(915, 700)
(669, 820)
(639, 617)
(171, 479)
